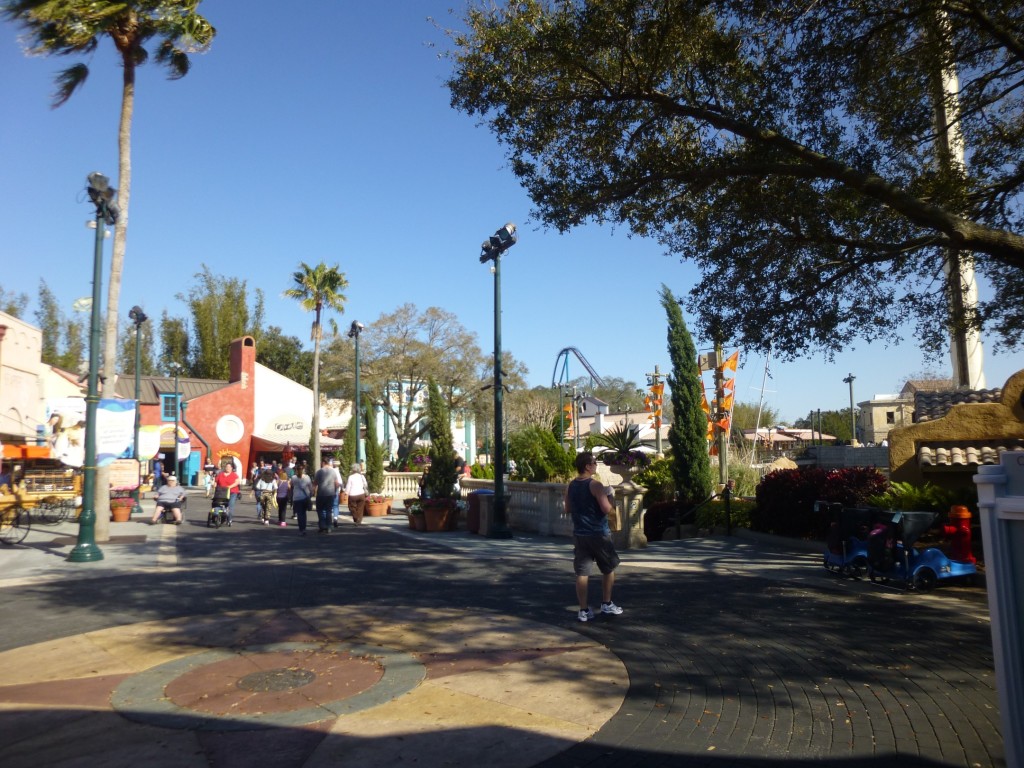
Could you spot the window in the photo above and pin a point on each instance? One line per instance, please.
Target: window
(168, 411)
(890, 417)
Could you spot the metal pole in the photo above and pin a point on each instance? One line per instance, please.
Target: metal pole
(358, 408)
(499, 529)
(137, 508)
(177, 419)
(85, 549)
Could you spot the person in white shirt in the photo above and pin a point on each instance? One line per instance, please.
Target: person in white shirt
(357, 488)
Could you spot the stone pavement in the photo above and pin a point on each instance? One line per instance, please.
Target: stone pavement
(376, 645)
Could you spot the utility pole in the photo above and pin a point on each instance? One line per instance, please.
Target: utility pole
(853, 416)
(657, 393)
(722, 438)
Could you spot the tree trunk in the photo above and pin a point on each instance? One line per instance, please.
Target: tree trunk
(124, 179)
(314, 438)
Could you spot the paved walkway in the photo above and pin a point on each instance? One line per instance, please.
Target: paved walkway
(376, 645)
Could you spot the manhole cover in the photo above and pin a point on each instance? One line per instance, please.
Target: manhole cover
(276, 680)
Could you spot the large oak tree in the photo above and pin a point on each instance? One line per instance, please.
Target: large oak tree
(788, 148)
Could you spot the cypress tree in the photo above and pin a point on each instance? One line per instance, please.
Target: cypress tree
(691, 468)
(440, 482)
(374, 452)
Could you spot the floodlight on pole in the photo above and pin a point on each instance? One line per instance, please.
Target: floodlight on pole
(491, 250)
(353, 333)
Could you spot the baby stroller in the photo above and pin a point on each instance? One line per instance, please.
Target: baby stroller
(218, 508)
(846, 543)
(892, 555)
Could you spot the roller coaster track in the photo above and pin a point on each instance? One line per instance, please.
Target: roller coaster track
(563, 358)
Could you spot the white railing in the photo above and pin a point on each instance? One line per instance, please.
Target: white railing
(402, 485)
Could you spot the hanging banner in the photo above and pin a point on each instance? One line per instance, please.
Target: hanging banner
(149, 442)
(115, 429)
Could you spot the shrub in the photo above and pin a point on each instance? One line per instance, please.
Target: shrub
(785, 498)
(712, 515)
(538, 456)
(657, 479)
(905, 496)
(482, 471)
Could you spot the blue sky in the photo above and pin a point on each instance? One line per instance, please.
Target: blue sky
(324, 133)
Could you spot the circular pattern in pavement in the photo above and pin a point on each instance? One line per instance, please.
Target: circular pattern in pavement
(322, 681)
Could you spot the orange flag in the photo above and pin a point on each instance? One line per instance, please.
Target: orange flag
(731, 361)
(704, 402)
(727, 402)
(729, 385)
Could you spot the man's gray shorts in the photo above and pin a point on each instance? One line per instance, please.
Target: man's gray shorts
(594, 549)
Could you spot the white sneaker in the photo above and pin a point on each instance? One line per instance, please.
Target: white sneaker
(611, 608)
(586, 615)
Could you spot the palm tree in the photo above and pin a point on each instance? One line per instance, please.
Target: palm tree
(70, 27)
(316, 288)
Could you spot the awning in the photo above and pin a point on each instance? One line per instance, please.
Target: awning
(274, 443)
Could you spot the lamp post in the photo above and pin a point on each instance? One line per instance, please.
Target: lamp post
(137, 316)
(853, 418)
(176, 367)
(85, 550)
(353, 333)
(491, 250)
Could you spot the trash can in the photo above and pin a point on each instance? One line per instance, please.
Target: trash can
(473, 513)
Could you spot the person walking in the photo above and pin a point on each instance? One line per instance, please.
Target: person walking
(265, 493)
(336, 509)
(228, 478)
(284, 492)
(357, 488)
(587, 503)
(325, 491)
(302, 492)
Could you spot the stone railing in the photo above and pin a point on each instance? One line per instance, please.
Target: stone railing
(539, 507)
(402, 485)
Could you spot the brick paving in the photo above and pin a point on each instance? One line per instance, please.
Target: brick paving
(735, 653)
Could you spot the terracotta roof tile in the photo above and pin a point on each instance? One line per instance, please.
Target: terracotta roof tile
(947, 455)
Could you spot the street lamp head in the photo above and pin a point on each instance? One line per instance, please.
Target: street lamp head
(355, 329)
(137, 316)
(498, 243)
(102, 196)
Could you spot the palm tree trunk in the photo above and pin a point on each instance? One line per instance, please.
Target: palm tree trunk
(124, 185)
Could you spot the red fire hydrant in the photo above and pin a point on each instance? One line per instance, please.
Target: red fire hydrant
(959, 533)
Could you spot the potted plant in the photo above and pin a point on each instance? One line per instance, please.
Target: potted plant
(414, 509)
(440, 489)
(623, 452)
(121, 505)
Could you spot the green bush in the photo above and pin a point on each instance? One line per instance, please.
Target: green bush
(746, 479)
(907, 497)
(482, 471)
(538, 456)
(712, 515)
(440, 480)
(657, 479)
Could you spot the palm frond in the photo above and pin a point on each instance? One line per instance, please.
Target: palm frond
(68, 81)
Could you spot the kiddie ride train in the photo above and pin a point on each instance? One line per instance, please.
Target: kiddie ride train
(35, 488)
(880, 544)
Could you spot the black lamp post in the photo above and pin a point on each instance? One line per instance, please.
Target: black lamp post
(85, 550)
(137, 316)
(353, 333)
(491, 250)
(176, 367)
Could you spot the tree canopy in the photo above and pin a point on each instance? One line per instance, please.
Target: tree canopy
(788, 148)
(400, 353)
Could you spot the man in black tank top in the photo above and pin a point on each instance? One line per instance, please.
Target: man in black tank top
(587, 503)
